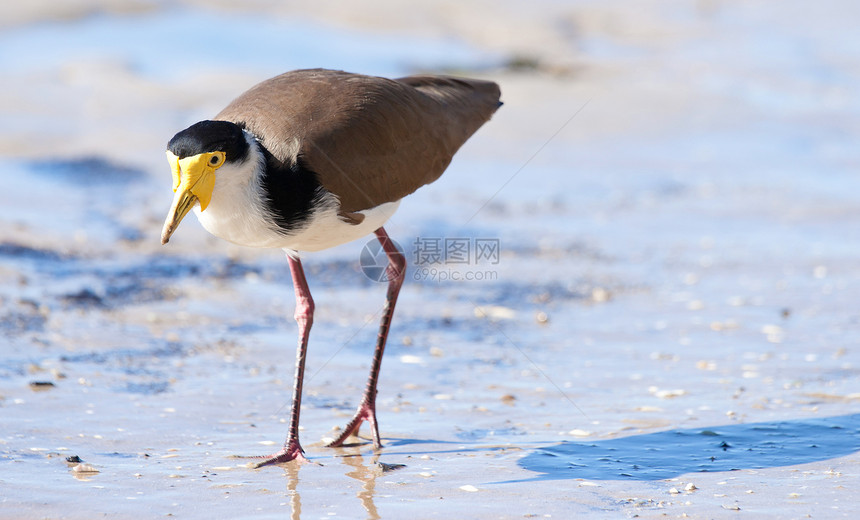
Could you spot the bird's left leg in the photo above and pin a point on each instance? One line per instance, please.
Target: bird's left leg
(396, 272)
(292, 450)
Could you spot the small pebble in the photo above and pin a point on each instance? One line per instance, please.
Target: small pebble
(495, 312)
(600, 295)
(390, 467)
(41, 385)
(84, 468)
(669, 394)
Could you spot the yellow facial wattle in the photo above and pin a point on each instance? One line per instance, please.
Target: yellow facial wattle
(196, 174)
(193, 180)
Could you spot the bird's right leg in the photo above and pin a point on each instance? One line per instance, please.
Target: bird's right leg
(292, 450)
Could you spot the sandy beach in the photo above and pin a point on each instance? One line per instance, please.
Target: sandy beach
(669, 328)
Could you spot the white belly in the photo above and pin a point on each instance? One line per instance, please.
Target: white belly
(327, 230)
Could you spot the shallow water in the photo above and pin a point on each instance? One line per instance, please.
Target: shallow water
(673, 453)
(674, 300)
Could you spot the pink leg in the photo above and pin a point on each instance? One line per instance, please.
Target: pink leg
(367, 408)
(292, 450)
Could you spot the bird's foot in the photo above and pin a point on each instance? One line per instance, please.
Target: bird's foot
(366, 412)
(292, 450)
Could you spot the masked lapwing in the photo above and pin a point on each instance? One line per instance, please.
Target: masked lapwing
(312, 159)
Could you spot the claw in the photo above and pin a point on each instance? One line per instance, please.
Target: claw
(366, 412)
(291, 451)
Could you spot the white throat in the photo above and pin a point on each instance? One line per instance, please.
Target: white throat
(237, 212)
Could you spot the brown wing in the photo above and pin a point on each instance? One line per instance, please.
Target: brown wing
(370, 140)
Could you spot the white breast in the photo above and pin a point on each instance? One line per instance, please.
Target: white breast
(238, 214)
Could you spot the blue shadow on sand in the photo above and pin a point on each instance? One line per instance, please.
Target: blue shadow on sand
(668, 454)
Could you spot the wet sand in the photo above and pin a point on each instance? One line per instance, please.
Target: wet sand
(669, 329)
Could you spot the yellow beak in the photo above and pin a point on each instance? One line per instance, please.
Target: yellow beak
(193, 181)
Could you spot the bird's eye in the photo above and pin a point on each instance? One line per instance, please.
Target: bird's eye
(215, 160)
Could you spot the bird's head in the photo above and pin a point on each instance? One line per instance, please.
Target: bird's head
(195, 154)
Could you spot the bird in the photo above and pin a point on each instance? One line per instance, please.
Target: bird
(314, 158)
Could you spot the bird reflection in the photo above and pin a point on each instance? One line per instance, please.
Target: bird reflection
(360, 468)
(367, 476)
(292, 471)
